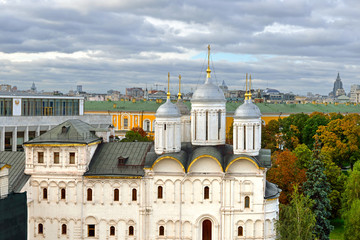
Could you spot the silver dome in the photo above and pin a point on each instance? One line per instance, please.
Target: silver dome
(184, 110)
(247, 110)
(208, 92)
(168, 109)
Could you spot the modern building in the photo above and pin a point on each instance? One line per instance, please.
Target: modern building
(24, 116)
(134, 92)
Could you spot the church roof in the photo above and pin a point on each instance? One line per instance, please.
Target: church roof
(247, 110)
(184, 110)
(168, 109)
(17, 177)
(70, 131)
(208, 92)
(271, 190)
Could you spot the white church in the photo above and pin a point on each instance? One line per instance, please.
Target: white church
(188, 184)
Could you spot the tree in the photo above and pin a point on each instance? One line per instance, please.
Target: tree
(270, 135)
(303, 154)
(286, 173)
(311, 126)
(352, 222)
(317, 188)
(352, 188)
(291, 129)
(135, 135)
(296, 220)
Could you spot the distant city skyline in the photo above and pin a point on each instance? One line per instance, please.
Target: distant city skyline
(292, 46)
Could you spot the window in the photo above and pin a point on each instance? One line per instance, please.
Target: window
(247, 202)
(89, 194)
(161, 231)
(134, 194)
(112, 231)
(56, 157)
(63, 229)
(116, 194)
(147, 126)
(206, 192)
(45, 193)
(91, 230)
(72, 158)
(63, 193)
(40, 228)
(131, 231)
(126, 124)
(160, 192)
(40, 157)
(240, 231)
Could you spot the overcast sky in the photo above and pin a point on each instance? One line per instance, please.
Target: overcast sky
(289, 45)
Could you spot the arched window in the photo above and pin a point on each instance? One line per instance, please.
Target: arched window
(63, 193)
(89, 194)
(63, 229)
(131, 231)
(112, 231)
(134, 194)
(45, 193)
(40, 228)
(247, 202)
(206, 192)
(240, 231)
(116, 194)
(160, 192)
(147, 125)
(161, 231)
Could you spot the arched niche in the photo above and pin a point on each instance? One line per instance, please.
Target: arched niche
(242, 165)
(168, 164)
(206, 164)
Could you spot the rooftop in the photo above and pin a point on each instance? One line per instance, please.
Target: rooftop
(16, 160)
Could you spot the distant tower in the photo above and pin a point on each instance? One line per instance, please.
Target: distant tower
(337, 85)
(167, 127)
(79, 88)
(33, 88)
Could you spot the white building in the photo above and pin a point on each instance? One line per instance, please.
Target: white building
(83, 187)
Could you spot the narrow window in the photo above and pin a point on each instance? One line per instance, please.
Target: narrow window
(247, 202)
(254, 137)
(72, 158)
(219, 124)
(207, 126)
(63, 229)
(244, 137)
(40, 157)
(160, 192)
(240, 231)
(206, 192)
(134, 197)
(56, 157)
(89, 194)
(195, 125)
(164, 127)
(112, 231)
(45, 193)
(91, 230)
(116, 194)
(40, 228)
(63, 193)
(125, 123)
(161, 231)
(131, 231)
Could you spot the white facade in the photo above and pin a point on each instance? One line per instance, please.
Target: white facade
(247, 136)
(167, 135)
(185, 128)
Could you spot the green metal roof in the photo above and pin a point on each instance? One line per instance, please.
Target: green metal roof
(17, 177)
(265, 108)
(70, 131)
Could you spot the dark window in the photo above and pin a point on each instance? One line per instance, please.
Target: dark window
(161, 231)
(63, 193)
(40, 157)
(240, 231)
(116, 194)
(72, 158)
(134, 194)
(160, 192)
(247, 202)
(112, 231)
(40, 228)
(206, 192)
(91, 230)
(45, 193)
(63, 229)
(131, 231)
(56, 157)
(126, 123)
(89, 194)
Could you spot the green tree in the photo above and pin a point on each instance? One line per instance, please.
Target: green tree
(291, 129)
(135, 135)
(270, 134)
(311, 126)
(303, 154)
(296, 220)
(352, 188)
(352, 222)
(317, 188)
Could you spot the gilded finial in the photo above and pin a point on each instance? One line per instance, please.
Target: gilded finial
(208, 71)
(168, 92)
(179, 94)
(246, 91)
(250, 89)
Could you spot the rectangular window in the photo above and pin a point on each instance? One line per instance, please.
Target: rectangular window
(56, 157)
(91, 230)
(126, 123)
(72, 158)
(40, 157)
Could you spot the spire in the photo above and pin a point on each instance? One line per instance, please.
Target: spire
(168, 92)
(246, 91)
(179, 94)
(208, 71)
(249, 94)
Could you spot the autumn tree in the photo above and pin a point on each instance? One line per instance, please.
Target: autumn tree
(311, 125)
(270, 134)
(135, 135)
(286, 173)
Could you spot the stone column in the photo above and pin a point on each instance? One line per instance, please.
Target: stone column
(14, 140)
(2, 139)
(26, 134)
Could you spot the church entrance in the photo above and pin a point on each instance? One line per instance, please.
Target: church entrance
(206, 230)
